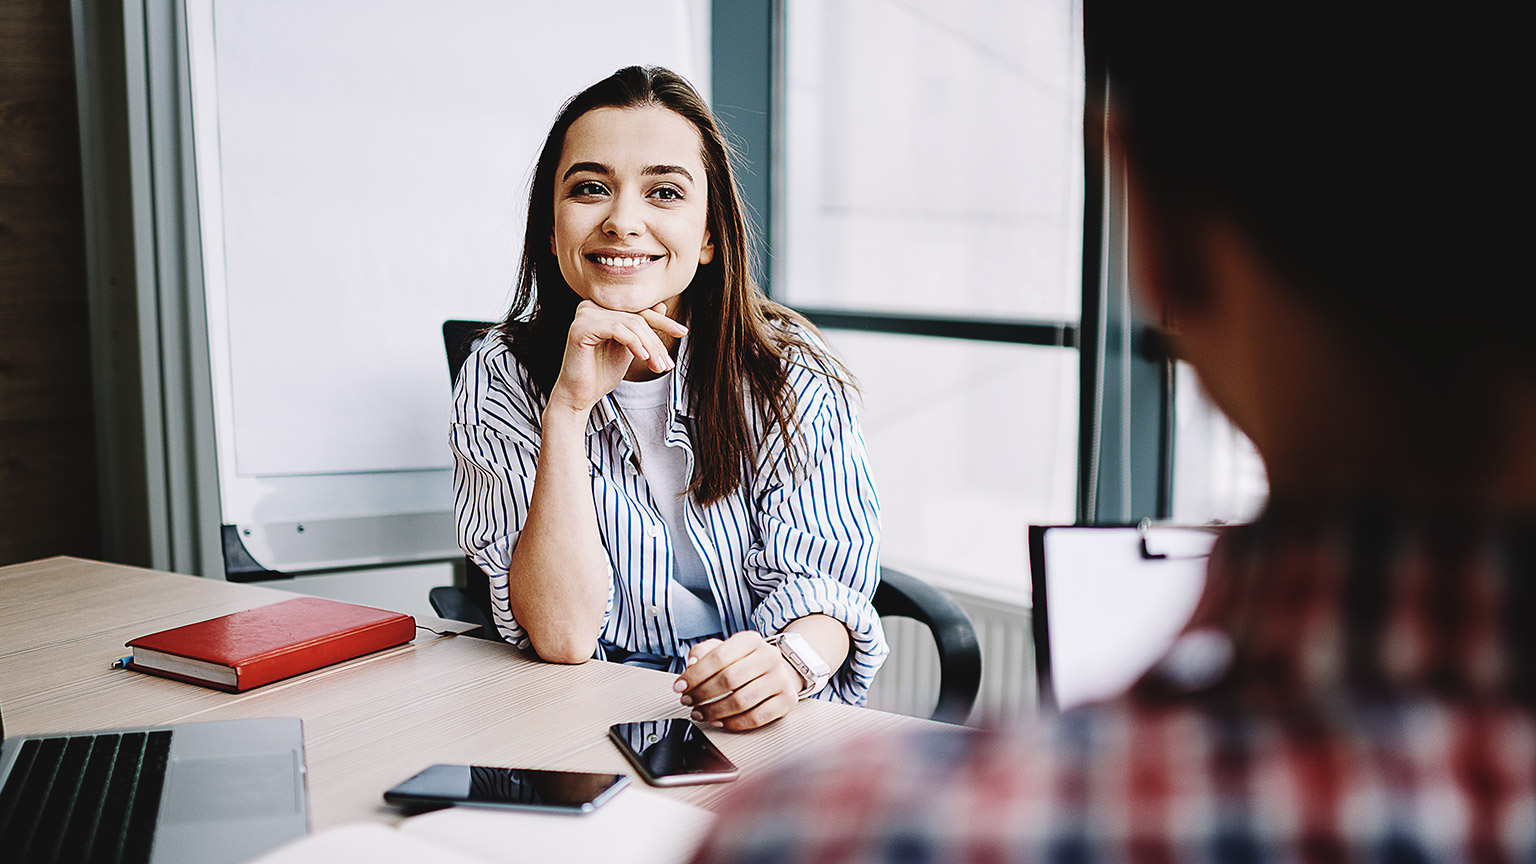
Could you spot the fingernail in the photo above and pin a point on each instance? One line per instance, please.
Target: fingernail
(686, 700)
(679, 685)
(717, 724)
(697, 715)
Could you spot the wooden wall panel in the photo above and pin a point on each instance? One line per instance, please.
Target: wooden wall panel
(48, 476)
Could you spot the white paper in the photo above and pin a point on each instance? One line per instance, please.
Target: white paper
(362, 843)
(636, 827)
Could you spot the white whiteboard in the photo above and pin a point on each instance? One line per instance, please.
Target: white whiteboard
(361, 167)
(1109, 613)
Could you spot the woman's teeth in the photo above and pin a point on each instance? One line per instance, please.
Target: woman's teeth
(626, 262)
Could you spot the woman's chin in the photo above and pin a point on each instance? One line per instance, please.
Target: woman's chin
(627, 301)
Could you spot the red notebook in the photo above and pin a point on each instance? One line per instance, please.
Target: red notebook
(248, 649)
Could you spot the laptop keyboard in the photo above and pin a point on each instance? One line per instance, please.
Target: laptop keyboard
(85, 798)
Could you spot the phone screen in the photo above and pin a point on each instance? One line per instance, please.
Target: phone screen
(482, 786)
(672, 752)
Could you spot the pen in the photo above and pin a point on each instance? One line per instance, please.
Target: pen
(122, 662)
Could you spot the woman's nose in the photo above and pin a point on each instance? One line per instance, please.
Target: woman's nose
(625, 217)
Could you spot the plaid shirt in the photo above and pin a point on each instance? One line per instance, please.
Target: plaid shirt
(1359, 688)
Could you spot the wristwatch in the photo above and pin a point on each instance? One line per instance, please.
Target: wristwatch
(814, 671)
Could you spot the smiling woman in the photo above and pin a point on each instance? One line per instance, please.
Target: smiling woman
(654, 463)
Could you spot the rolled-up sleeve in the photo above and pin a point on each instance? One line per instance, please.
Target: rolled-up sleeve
(819, 524)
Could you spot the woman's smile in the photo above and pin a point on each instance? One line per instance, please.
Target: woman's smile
(621, 263)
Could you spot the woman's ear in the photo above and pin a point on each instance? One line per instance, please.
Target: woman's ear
(707, 251)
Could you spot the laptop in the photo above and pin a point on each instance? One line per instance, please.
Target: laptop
(208, 792)
(1109, 601)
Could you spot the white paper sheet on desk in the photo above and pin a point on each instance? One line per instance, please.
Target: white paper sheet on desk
(637, 827)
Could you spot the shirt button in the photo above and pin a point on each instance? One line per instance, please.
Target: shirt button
(652, 530)
(655, 611)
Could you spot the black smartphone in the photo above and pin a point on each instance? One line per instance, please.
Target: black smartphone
(672, 752)
(517, 788)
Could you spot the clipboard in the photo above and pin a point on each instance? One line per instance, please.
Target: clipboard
(1109, 602)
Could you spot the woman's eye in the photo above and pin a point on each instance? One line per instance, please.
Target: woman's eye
(588, 188)
(667, 193)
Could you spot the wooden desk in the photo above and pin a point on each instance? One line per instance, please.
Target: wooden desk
(368, 723)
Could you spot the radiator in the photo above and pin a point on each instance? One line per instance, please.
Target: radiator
(908, 683)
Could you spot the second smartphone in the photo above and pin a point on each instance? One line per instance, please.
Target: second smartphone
(673, 752)
(514, 788)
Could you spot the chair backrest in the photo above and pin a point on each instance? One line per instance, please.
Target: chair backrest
(904, 596)
(898, 593)
(459, 338)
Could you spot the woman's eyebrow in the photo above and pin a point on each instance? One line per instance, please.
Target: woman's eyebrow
(594, 167)
(658, 170)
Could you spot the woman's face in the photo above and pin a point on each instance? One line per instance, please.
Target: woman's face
(631, 206)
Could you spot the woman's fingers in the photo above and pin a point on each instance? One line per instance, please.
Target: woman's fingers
(695, 654)
(759, 703)
(594, 325)
(711, 658)
(656, 316)
(638, 333)
(603, 344)
(656, 355)
(741, 683)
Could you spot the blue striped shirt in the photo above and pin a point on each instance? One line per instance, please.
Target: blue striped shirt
(786, 544)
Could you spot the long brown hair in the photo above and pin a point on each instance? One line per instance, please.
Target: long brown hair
(741, 343)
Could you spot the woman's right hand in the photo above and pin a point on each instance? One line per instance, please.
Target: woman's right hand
(601, 347)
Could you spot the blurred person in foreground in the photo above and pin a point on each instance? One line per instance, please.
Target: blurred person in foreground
(1314, 205)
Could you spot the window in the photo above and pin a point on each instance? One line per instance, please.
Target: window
(932, 158)
(930, 182)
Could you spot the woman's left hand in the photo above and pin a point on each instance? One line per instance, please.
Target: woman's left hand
(738, 684)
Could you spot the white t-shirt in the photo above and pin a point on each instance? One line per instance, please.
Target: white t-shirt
(665, 470)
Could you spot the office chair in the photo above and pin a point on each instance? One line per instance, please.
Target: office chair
(899, 594)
